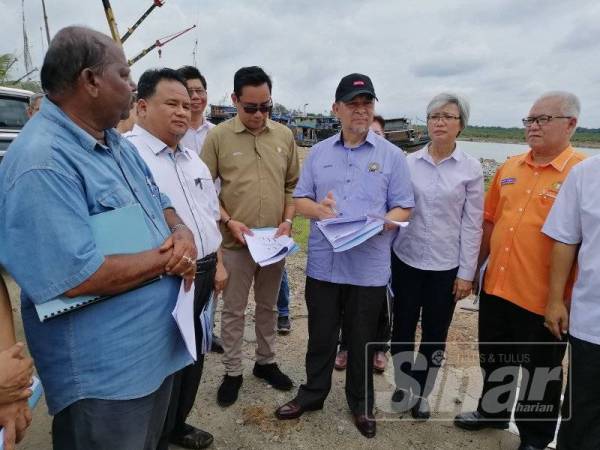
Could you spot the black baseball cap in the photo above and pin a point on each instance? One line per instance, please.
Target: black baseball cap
(352, 85)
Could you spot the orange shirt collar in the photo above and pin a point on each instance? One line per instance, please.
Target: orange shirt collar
(559, 163)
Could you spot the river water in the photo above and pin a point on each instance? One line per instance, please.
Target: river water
(500, 152)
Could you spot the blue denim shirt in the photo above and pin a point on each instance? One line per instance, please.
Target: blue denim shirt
(54, 176)
(372, 178)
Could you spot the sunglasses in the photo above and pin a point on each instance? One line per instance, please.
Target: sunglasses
(253, 108)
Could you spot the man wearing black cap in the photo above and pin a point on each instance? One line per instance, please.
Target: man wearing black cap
(353, 173)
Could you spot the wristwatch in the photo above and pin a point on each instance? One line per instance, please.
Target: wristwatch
(290, 221)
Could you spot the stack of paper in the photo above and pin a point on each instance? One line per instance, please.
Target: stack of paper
(183, 313)
(344, 233)
(266, 249)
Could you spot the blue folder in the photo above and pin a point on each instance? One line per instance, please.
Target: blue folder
(118, 231)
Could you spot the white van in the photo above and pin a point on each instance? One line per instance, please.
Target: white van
(13, 115)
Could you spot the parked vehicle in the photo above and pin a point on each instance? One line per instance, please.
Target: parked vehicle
(13, 115)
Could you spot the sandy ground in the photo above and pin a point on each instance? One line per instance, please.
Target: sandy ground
(250, 423)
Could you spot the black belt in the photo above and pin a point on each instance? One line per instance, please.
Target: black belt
(208, 262)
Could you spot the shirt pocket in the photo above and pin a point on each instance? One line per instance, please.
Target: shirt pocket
(373, 186)
(115, 199)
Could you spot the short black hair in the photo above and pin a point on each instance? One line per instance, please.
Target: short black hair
(191, 73)
(250, 76)
(146, 86)
(380, 120)
(72, 50)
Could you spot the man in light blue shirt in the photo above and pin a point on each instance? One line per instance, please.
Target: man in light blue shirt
(106, 368)
(574, 224)
(352, 173)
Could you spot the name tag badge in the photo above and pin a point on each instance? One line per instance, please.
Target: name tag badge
(506, 181)
(374, 167)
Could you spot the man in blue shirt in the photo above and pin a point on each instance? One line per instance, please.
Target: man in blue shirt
(351, 174)
(106, 368)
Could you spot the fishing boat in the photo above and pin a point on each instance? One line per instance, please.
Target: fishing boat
(401, 132)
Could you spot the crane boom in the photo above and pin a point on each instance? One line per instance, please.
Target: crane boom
(159, 43)
(130, 31)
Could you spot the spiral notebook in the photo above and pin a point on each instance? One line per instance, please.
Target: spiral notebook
(118, 231)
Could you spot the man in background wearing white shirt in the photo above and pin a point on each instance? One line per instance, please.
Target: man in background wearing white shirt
(163, 118)
(194, 139)
(199, 126)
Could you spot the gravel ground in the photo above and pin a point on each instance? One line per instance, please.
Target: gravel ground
(250, 423)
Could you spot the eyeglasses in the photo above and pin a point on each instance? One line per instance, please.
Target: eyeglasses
(442, 117)
(201, 92)
(253, 108)
(541, 120)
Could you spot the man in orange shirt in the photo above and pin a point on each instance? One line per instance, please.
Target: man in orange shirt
(513, 299)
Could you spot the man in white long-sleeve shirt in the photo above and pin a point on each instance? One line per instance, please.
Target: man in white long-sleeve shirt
(163, 118)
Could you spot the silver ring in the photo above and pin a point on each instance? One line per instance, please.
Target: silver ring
(188, 259)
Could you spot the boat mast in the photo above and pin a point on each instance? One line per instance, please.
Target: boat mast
(26, 53)
(46, 22)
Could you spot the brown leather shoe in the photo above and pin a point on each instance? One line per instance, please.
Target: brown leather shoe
(366, 425)
(291, 410)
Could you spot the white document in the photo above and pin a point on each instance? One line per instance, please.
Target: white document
(344, 233)
(207, 324)
(266, 249)
(183, 313)
(393, 222)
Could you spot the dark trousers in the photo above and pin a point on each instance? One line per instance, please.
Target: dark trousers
(384, 329)
(580, 427)
(283, 299)
(510, 338)
(426, 294)
(360, 307)
(112, 424)
(187, 380)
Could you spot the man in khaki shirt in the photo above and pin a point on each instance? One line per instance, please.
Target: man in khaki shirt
(257, 162)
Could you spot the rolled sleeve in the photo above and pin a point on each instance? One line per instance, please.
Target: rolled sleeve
(471, 227)
(400, 191)
(306, 185)
(563, 223)
(48, 245)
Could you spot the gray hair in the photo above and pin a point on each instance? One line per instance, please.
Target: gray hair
(72, 50)
(445, 98)
(569, 103)
(35, 97)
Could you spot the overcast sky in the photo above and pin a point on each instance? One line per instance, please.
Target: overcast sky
(500, 54)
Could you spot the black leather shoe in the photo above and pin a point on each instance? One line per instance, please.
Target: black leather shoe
(293, 410)
(217, 345)
(272, 375)
(525, 446)
(474, 421)
(192, 437)
(420, 410)
(367, 426)
(228, 391)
